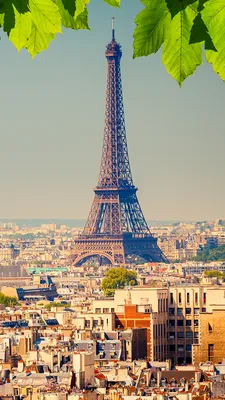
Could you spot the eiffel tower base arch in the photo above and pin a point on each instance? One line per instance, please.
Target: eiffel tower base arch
(118, 250)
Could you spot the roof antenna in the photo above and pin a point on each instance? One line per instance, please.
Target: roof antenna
(113, 29)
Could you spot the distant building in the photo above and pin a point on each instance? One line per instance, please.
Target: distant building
(42, 287)
(48, 227)
(8, 253)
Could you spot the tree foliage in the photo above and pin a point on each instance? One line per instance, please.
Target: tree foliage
(184, 29)
(118, 278)
(217, 254)
(215, 274)
(8, 300)
(56, 304)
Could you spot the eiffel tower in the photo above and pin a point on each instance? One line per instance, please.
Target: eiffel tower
(116, 229)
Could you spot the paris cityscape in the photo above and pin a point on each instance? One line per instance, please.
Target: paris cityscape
(115, 306)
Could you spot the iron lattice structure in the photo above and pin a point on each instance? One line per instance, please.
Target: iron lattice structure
(116, 228)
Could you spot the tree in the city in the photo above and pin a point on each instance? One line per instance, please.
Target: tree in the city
(8, 300)
(118, 278)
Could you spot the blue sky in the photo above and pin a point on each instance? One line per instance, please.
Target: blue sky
(52, 119)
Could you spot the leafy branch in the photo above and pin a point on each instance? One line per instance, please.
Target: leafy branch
(184, 29)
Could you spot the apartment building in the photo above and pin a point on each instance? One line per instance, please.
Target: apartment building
(7, 253)
(170, 315)
(96, 321)
(185, 304)
(144, 307)
(211, 346)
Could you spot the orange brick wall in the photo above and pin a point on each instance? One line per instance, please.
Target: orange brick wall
(132, 319)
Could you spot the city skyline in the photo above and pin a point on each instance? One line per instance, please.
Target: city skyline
(51, 147)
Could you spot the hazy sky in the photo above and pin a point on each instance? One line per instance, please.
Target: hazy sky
(52, 118)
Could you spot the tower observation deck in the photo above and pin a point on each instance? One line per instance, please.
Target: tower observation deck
(116, 228)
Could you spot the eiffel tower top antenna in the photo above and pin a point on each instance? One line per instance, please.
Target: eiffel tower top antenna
(113, 28)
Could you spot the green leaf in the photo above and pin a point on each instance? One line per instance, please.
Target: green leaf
(21, 5)
(175, 6)
(22, 29)
(38, 41)
(179, 57)
(81, 22)
(45, 15)
(80, 7)
(152, 27)
(213, 15)
(9, 17)
(217, 59)
(70, 6)
(113, 3)
(199, 33)
(69, 21)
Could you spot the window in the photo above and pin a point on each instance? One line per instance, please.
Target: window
(171, 335)
(95, 323)
(180, 311)
(98, 311)
(210, 352)
(179, 297)
(171, 322)
(189, 335)
(196, 298)
(210, 328)
(171, 311)
(204, 298)
(87, 324)
(112, 310)
(188, 311)
(188, 298)
(180, 322)
(105, 310)
(172, 347)
(203, 309)
(180, 347)
(196, 322)
(196, 311)
(180, 335)
(188, 322)
(196, 335)
(188, 347)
